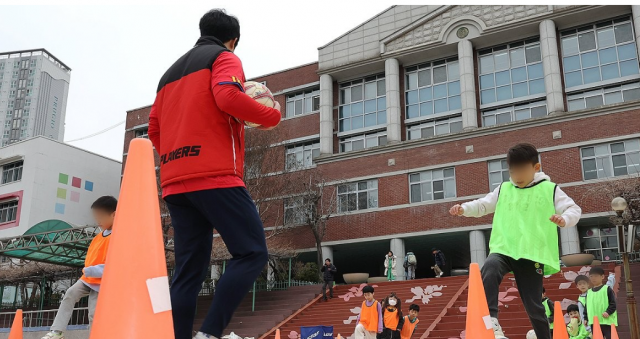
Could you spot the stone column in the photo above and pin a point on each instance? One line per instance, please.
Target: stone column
(478, 247)
(394, 113)
(635, 13)
(327, 252)
(467, 86)
(569, 240)
(397, 247)
(551, 66)
(326, 114)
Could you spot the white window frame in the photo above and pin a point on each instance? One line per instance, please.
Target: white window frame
(429, 180)
(302, 155)
(303, 97)
(513, 112)
(297, 206)
(424, 93)
(509, 48)
(434, 125)
(607, 95)
(605, 161)
(368, 141)
(142, 132)
(593, 28)
(12, 172)
(8, 211)
(346, 90)
(345, 191)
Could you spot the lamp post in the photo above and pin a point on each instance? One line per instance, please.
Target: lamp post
(619, 205)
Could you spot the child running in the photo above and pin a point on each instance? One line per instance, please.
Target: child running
(410, 322)
(524, 240)
(600, 303)
(370, 317)
(104, 211)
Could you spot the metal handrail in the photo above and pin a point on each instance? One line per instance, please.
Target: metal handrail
(44, 318)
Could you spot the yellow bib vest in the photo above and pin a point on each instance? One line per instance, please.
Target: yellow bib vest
(521, 225)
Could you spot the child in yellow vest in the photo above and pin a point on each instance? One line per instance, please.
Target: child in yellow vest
(369, 321)
(410, 322)
(392, 318)
(104, 211)
(601, 303)
(548, 309)
(524, 240)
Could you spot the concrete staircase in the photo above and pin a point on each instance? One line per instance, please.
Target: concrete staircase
(623, 320)
(443, 305)
(270, 309)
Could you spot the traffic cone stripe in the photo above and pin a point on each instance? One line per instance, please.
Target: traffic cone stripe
(487, 322)
(159, 294)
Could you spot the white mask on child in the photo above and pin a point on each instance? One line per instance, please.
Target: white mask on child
(392, 302)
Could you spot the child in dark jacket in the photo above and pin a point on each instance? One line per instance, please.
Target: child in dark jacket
(392, 317)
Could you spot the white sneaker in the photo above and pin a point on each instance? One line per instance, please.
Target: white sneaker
(54, 335)
(201, 335)
(497, 329)
(441, 273)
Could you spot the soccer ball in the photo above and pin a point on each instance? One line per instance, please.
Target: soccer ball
(259, 93)
(531, 335)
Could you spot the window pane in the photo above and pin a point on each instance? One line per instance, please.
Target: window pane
(537, 112)
(588, 152)
(586, 41)
(362, 201)
(594, 101)
(370, 106)
(488, 96)
(486, 81)
(345, 111)
(298, 107)
(520, 90)
(413, 111)
(629, 67)
(610, 72)
(290, 109)
(382, 117)
(357, 123)
(455, 127)
(619, 165)
(535, 71)
(382, 103)
(356, 93)
(438, 185)
(449, 172)
(517, 57)
(591, 75)
(412, 97)
(536, 86)
(357, 145)
(449, 188)
(440, 91)
(415, 193)
(613, 98)
(439, 74)
(370, 90)
(608, 55)
(519, 74)
(356, 109)
(569, 46)
(605, 37)
(501, 61)
(573, 79)
(425, 94)
(632, 94)
(426, 108)
(503, 118)
(373, 199)
(589, 169)
(345, 96)
(424, 78)
(523, 114)
(486, 64)
(503, 93)
(618, 147)
(623, 33)
(454, 103)
(533, 54)
(440, 106)
(382, 89)
(589, 59)
(453, 70)
(370, 120)
(626, 52)
(454, 88)
(412, 81)
(503, 78)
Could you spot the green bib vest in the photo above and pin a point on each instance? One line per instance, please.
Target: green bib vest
(521, 225)
(597, 303)
(582, 300)
(547, 311)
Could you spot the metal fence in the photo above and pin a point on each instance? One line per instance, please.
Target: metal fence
(44, 318)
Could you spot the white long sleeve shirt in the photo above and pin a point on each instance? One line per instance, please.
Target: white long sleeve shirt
(565, 206)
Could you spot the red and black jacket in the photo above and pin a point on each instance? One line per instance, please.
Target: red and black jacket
(194, 137)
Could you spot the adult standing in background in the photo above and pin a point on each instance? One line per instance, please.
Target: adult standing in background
(410, 262)
(440, 260)
(328, 276)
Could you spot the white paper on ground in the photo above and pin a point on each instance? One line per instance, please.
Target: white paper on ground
(487, 322)
(159, 294)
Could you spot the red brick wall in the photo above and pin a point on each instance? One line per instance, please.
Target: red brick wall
(291, 78)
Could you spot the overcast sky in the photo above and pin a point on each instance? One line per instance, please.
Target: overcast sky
(118, 53)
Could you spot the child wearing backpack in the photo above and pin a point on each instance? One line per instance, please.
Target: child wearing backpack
(410, 264)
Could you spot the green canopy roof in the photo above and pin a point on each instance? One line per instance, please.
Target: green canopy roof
(51, 241)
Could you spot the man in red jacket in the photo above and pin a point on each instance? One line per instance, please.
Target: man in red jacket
(197, 127)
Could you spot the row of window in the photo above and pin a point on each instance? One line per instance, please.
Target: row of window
(599, 161)
(26, 63)
(600, 67)
(12, 172)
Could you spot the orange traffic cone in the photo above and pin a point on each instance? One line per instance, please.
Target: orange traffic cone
(16, 327)
(559, 327)
(478, 318)
(614, 332)
(277, 333)
(595, 329)
(134, 301)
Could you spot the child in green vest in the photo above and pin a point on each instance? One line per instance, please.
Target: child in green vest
(576, 328)
(548, 308)
(601, 303)
(583, 284)
(524, 239)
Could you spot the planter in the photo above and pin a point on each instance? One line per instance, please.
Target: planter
(355, 278)
(456, 272)
(596, 263)
(374, 280)
(578, 259)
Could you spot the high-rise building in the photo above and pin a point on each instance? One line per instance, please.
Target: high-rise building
(33, 95)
